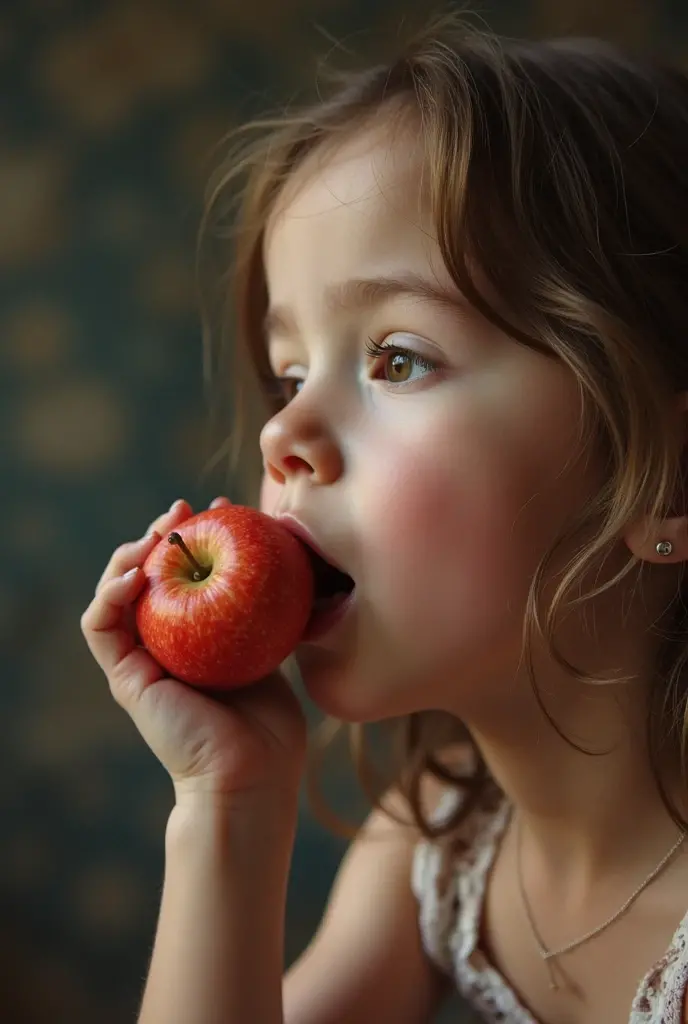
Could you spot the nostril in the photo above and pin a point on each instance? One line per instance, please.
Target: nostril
(295, 464)
(287, 466)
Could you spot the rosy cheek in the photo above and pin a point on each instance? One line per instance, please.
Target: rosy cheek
(413, 517)
(417, 492)
(435, 522)
(269, 494)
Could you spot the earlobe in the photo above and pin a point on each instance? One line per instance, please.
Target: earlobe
(665, 543)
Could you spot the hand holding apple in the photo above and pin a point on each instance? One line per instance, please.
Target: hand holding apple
(243, 745)
(227, 598)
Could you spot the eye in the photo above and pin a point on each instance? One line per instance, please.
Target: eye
(398, 364)
(289, 387)
(283, 388)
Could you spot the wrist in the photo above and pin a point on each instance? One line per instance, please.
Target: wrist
(252, 828)
(219, 950)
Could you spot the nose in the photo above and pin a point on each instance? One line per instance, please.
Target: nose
(297, 441)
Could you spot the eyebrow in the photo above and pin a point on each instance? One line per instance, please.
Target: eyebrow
(366, 293)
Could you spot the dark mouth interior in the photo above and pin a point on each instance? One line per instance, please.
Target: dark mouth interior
(329, 581)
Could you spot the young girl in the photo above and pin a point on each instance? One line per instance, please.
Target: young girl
(463, 282)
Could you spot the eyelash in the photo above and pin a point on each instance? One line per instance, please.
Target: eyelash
(280, 388)
(377, 350)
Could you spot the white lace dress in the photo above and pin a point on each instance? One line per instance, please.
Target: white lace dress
(450, 916)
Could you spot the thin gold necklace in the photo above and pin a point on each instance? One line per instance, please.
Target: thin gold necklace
(550, 954)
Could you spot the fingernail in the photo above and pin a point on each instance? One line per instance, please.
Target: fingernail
(174, 504)
(129, 575)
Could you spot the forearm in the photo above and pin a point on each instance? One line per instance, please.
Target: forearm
(218, 956)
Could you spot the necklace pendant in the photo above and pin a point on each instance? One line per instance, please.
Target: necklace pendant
(553, 986)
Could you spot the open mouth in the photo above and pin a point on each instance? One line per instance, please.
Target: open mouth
(334, 591)
(332, 586)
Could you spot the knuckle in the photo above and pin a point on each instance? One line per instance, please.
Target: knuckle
(86, 620)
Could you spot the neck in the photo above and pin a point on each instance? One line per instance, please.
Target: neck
(585, 788)
(590, 802)
(585, 806)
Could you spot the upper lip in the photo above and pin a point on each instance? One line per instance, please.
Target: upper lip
(296, 527)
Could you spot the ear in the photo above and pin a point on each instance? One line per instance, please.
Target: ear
(643, 536)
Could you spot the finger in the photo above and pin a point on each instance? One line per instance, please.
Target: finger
(134, 674)
(128, 667)
(220, 502)
(103, 622)
(178, 511)
(122, 559)
(126, 556)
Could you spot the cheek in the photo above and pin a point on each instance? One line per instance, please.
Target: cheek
(447, 533)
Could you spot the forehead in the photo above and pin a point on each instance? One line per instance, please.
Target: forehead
(391, 151)
(366, 192)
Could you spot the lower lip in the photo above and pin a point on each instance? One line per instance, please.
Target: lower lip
(322, 622)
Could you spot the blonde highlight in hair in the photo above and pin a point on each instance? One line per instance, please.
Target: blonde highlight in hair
(555, 172)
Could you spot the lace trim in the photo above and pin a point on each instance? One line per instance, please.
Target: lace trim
(450, 929)
(659, 999)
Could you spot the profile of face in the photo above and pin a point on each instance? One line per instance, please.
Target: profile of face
(429, 455)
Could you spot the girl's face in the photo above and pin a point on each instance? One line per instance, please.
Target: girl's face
(435, 470)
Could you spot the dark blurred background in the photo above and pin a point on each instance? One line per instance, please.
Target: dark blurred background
(109, 112)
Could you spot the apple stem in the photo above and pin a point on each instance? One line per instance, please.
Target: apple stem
(200, 571)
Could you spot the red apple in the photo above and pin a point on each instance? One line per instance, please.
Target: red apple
(227, 598)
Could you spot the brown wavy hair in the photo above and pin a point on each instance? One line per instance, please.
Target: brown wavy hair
(560, 170)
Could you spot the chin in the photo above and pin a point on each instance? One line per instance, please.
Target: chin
(343, 691)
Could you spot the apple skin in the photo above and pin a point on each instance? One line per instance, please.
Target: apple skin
(239, 623)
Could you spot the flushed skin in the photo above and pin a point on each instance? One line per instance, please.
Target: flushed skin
(239, 623)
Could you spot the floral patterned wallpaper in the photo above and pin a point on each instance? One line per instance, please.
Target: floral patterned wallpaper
(108, 115)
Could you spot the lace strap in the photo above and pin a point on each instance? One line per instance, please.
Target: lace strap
(437, 904)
